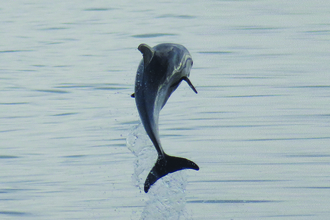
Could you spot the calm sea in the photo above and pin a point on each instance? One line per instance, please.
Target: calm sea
(259, 128)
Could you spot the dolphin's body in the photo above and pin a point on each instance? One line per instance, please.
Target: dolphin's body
(160, 72)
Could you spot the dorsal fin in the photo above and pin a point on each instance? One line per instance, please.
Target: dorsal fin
(147, 53)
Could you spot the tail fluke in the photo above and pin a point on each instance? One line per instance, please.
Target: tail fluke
(165, 165)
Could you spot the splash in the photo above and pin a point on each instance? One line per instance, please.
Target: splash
(140, 145)
(166, 198)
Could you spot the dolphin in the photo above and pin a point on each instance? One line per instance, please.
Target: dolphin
(159, 73)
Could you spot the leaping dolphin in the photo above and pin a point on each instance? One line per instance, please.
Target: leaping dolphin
(160, 72)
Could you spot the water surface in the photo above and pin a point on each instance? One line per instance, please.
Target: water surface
(258, 128)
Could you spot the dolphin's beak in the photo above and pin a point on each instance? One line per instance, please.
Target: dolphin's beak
(190, 84)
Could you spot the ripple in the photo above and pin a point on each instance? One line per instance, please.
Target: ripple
(230, 201)
(8, 157)
(14, 103)
(13, 213)
(176, 16)
(99, 9)
(66, 114)
(52, 91)
(74, 156)
(215, 52)
(14, 51)
(152, 35)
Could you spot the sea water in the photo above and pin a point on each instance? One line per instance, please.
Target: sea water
(258, 127)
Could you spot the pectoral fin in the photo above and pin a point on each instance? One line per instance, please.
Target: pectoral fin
(133, 95)
(190, 84)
